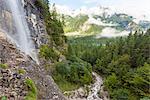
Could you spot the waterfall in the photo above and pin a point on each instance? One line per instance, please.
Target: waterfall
(22, 36)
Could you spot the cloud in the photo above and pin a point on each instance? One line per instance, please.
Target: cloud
(111, 32)
(92, 20)
(64, 9)
(140, 9)
(90, 1)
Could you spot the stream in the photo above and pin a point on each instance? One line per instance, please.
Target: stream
(92, 93)
(95, 88)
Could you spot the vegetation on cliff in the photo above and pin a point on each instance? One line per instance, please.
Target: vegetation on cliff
(53, 24)
(3, 66)
(72, 72)
(32, 94)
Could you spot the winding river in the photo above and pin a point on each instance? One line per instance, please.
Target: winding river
(95, 88)
(93, 93)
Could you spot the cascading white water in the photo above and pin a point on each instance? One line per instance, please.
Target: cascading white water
(22, 36)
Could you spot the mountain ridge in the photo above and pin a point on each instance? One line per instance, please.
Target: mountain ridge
(84, 20)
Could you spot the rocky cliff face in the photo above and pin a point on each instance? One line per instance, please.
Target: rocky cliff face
(35, 21)
(16, 60)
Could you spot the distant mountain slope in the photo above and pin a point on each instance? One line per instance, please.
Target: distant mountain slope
(144, 24)
(74, 23)
(93, 23)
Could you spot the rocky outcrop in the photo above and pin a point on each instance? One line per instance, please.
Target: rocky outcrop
(15, 59)
(12, 85)
(35, 22)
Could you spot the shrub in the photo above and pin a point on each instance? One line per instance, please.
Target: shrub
(48, 53)
(3, 98)
(72, 72)
(32, 93)
(3, 66)
(21, 71)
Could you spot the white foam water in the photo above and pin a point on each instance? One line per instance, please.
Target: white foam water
(22, 37)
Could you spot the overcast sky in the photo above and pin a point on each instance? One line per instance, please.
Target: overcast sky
(137, 8)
